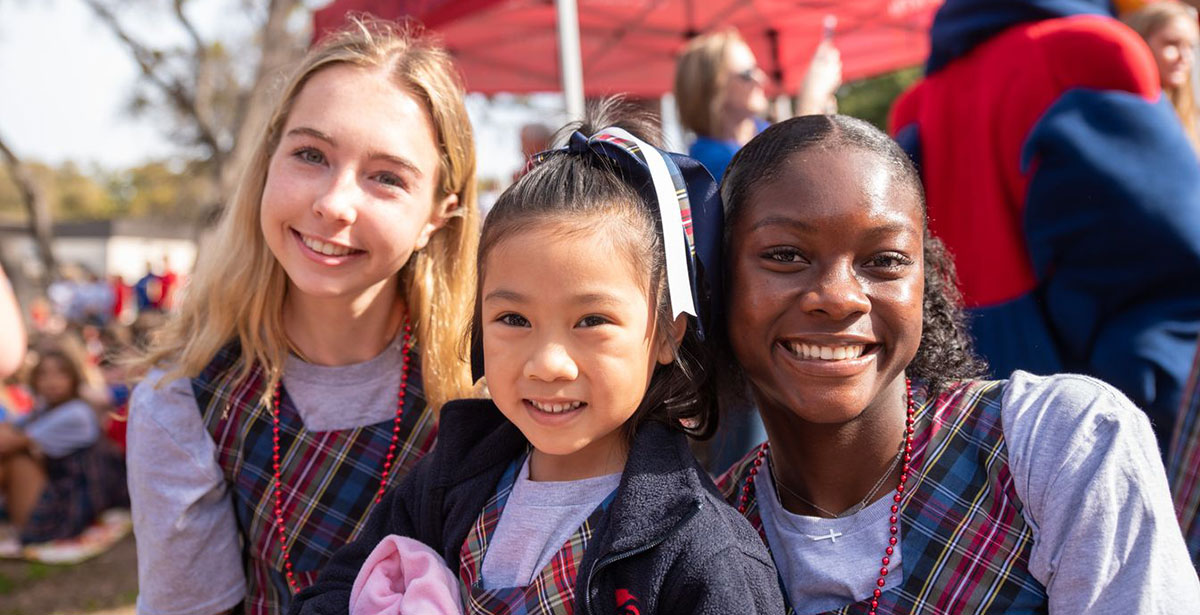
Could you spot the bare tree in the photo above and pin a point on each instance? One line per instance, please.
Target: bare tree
(37, 207)
(214, 103)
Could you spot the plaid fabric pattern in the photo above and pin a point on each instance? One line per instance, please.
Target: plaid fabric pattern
(1183, 463)
(330, 478)
(964, 541)
(552, 591)
(79, 487)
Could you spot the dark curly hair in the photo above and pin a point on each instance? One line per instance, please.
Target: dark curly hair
(945, 353)
(585, 192)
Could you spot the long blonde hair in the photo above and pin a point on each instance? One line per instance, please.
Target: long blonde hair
(700, 78)
(1148, 20)
(237, 290)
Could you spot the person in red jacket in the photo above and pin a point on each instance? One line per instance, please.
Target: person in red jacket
(1062, 183)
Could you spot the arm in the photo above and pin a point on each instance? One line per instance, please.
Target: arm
(824, 76)
(12, 342)
(68, 428)
(188, 550)
(1086, 469)
(1112, 220)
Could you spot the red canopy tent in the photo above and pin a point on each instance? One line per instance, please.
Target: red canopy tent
(630, 46)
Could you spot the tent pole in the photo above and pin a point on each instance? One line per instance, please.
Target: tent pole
(570, 64)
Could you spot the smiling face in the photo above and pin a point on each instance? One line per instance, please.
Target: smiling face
(1174, 48)
(351, 189)
(569, 344)
(826, 289)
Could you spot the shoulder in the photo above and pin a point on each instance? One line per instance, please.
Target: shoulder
(1091, 51)
(1063, 419)
(162, 407)
(731, 481)
(474, 435)
(1066, 398)
(157, 395)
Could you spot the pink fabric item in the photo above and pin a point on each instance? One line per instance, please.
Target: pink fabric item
(402, 576)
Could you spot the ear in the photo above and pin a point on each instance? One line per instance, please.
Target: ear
(442, 212)
(670, 342)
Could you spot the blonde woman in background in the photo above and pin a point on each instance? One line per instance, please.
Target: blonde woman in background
(721, 99)
(302, 375)
(1172, 32)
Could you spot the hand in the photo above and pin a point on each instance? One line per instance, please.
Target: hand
(822, 80)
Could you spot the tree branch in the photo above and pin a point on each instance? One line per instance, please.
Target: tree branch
(150, 62)
(39, 212)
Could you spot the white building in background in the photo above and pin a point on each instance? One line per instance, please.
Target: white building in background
(105, 247)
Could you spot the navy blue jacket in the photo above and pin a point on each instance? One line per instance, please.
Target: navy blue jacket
(669, 541)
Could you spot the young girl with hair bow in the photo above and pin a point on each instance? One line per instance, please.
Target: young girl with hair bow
(573, 490)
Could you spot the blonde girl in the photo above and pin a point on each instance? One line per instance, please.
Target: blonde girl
(303, 372)
(1171, 31)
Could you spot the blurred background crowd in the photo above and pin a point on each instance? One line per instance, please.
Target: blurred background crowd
(97, 254)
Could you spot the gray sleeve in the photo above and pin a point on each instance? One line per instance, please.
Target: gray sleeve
(1086, 466)
(65, 429)
(188, 554)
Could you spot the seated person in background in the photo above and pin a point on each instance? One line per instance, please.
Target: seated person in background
(56, 472)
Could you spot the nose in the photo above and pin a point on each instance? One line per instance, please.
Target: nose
(551, 362)
(837, 293)
(338, 201)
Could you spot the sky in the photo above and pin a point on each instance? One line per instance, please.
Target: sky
(66, 82)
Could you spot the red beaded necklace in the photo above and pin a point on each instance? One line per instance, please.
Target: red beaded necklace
(744, 500)
(387, 464)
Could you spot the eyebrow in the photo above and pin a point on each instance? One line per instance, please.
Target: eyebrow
(782, 221)
(580, 299)
(371, 155)
(890, 228)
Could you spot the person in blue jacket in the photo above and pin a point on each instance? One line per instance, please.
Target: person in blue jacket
(1063, 184)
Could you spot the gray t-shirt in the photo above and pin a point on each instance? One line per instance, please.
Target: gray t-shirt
(1087, 470)
(537, 520)
(188, 547)
(64, 429)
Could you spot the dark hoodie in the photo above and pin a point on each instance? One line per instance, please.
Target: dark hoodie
(960, 25)
(669, 540)
(1059, 178)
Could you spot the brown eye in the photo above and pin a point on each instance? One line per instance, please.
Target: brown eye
(513, 320)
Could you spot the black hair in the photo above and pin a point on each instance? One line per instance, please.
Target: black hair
(945, 353)
(581, 192)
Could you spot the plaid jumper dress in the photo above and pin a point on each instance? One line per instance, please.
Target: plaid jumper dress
(965, 545)
(330, 478)
(1183, 463)
(552, 591)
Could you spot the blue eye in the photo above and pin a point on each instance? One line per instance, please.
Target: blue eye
(310, 155)
(513, 320)
(390, 179)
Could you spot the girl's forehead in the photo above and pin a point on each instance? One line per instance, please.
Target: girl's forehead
(820, 182)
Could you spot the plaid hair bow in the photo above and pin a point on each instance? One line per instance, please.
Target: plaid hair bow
(684, 197)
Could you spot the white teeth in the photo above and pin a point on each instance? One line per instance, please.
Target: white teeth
(827, 353)
(556, 408)
(327, 249)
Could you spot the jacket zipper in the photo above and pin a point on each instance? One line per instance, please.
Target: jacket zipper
(616, 557)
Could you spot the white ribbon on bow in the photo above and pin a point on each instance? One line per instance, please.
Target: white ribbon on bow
(679, 284)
